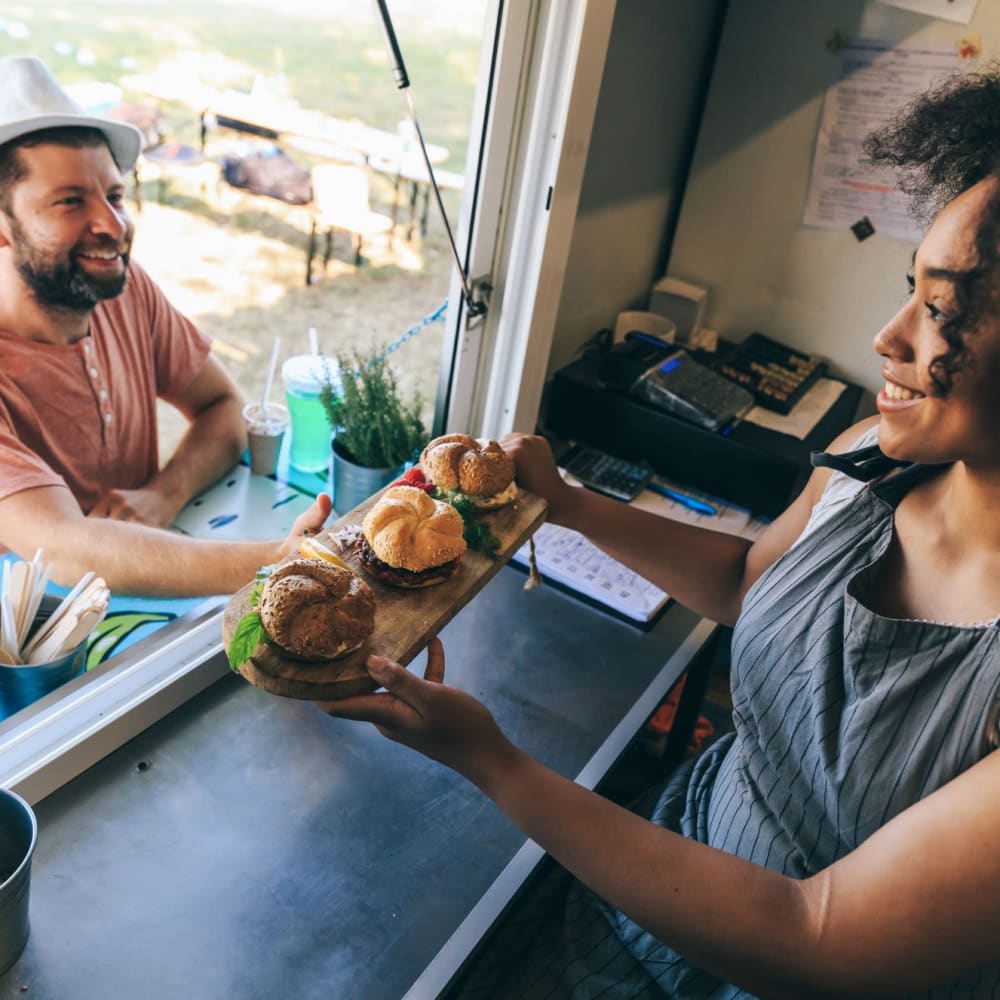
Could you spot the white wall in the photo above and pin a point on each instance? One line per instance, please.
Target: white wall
(740, 230)
(656, 72)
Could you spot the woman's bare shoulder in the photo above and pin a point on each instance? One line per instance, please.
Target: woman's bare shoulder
(848, 440)
(779, 536)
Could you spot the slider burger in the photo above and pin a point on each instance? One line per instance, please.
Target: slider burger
(478, 468)
(315, 610)
(409, 539)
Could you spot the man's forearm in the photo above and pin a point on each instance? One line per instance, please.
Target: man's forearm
(136, 559)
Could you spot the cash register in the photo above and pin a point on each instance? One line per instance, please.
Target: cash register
(676, 411)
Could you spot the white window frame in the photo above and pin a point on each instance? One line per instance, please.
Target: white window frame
(522, 232)
(499, 94)
(535, 105)
(53, 740)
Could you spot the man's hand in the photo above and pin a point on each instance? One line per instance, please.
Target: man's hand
(537, 472)
(135, 558)
(309, 522)
(440, 722)
(144, 506)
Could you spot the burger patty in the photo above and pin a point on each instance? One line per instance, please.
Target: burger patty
(396, 575)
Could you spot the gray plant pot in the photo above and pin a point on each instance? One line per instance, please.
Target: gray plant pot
(352, 484)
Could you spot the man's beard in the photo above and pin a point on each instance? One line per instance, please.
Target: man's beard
(62, 284)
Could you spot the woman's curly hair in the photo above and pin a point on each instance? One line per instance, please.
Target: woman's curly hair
(942, 143)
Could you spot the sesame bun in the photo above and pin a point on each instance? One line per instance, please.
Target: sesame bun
(314, 610)
(476, 467)
(408, 531)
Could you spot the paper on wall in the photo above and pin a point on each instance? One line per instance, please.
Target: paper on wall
(872, 81)
(959, 11)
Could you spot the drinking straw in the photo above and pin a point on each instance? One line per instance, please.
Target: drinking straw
(313, 341)
(270, 375)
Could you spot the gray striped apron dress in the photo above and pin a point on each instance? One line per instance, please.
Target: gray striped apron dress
(843, 719)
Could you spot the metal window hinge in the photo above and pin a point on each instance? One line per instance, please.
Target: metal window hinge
(478, 304)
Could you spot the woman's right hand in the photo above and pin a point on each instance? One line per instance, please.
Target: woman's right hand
(537, 472)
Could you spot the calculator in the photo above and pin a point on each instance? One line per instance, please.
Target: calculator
(606, 474)
(694, 392)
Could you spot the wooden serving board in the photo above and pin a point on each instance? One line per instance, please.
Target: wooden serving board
(405, 620)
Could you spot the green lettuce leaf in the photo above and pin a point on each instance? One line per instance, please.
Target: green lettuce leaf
(249, 634)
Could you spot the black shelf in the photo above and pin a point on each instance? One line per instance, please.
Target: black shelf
(751, 466)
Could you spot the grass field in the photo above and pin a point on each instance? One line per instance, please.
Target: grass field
(236, 263)
(331, 53)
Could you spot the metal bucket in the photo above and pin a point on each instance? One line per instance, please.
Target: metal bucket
(352, 484)
(21, 685)
(18, 834)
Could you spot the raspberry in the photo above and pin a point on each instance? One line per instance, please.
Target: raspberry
(415, 477)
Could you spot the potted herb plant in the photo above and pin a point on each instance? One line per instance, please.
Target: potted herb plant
(374, 431)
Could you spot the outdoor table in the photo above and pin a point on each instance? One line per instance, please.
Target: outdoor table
(269, 117)
(410, 171)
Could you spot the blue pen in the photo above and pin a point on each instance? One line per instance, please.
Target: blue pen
(685, 501)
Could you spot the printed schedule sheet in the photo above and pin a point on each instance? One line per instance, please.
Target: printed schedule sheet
(567, 558)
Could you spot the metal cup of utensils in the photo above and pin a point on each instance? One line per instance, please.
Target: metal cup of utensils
(21, 685)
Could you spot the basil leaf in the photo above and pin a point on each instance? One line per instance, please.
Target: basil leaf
(480, 538)
(477, 535)
(249, 634)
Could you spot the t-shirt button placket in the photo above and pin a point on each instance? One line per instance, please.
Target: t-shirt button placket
(102, 392)
(106, 418)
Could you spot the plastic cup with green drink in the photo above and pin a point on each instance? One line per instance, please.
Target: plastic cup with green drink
(305, 377)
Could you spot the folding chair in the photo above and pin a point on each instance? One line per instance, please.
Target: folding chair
(340, 204)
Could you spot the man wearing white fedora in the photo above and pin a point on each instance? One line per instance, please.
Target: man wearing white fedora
(88, 343)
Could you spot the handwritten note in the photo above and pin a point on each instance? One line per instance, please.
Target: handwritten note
(873, 80)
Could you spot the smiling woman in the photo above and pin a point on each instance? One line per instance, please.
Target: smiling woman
(866, 693)
(942, 349)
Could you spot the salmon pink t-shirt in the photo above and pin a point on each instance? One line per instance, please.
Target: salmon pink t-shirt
(83, 415)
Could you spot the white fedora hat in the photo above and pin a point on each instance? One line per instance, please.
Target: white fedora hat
(31, 99)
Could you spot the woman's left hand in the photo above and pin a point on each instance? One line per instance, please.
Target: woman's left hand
(440, 722)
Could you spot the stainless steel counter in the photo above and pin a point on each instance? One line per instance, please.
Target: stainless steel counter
(248, 846)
